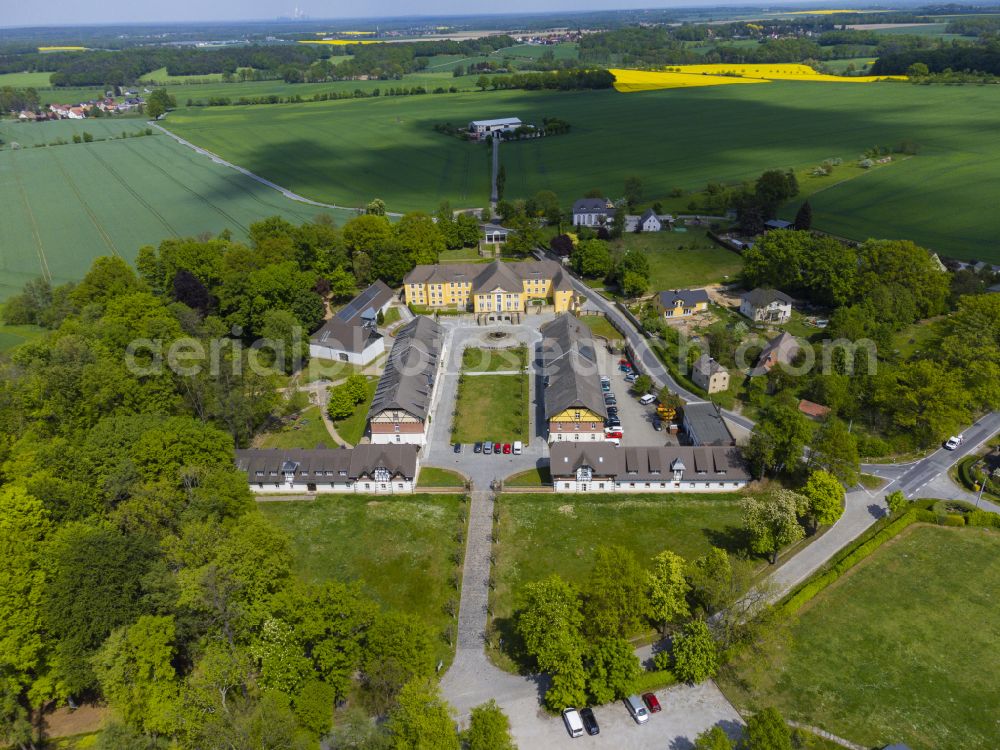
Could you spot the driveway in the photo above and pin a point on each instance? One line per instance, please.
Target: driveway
(637, 420)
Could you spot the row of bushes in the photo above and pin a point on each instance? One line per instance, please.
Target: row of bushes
(935, 512)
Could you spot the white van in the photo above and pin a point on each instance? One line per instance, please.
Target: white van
(647, 399)
(518, 447)
(574, 724)
(638, 711)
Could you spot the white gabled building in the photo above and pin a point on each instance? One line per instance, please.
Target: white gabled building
(593, 212)
(603, 467)
(481, 129)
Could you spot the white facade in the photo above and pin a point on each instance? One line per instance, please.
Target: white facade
(575, 436)
(775, 312)
(288, 485)
(492, 128)
(593, 219)
(652, 224)
(364, 357)
(605, 484)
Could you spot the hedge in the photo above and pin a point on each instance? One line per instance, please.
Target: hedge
(798, 597)
(851, 556)
(656, 679)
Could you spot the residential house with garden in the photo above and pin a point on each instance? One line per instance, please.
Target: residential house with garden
(764, 305)
(782, 349)
(482, 129)
(709, 375)
(681, 303)
(593, 212)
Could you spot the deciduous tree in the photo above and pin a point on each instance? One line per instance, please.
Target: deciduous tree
(616, 593)
(696, 656)
(772, 521)
(422, 719)
(489, 729)
(767, 730)
(668, 589)
(826, 498)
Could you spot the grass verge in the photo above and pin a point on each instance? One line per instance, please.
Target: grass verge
(491, 407)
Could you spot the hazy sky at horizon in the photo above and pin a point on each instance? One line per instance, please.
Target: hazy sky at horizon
(74, 12)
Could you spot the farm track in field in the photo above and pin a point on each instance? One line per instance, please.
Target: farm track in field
(86, 207)
(135, 194)
(43, 262)
(190, 190)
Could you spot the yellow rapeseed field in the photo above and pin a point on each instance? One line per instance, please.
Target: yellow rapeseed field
(338, 41)
(628, 81)
(827, 12)
(720, 73)
(62, 49)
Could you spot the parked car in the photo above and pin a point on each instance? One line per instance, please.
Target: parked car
(458, 447)
(614, 441)
(506, 449)
(605, 379)
(624, 361)
(477, 448)
(613, 423)
(647, 399)
(606, 387)
(518, 447)
(496, 448)
(612, 411)
(953, 442)
(487, 448)
(658, 425)
(589, 721)
(625, 368)
(573, 722)
(635, 708)
(652, 703)
(613, 435)
(631, 377)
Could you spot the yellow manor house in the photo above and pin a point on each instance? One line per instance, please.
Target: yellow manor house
(496, 290)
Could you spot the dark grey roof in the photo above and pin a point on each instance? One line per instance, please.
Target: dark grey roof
(342, 336)
(762, 297)
(491, 227)
(647, 213)
(569, 361)
(593, 206)
(479, 273)
(705, 425)
(498, 275)
(408, 379)
(369, 302)
(777, 224)
(690, 297)
(327, 464)
(647, 463)
(707, 366)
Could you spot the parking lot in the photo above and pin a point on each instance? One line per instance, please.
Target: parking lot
(637, 420)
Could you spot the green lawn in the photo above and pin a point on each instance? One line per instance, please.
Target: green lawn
(160, 76)
(462, 255)
(326, 369)
(600, 326)
(529, 478)
(684, 259)
(903, 649)
(348, 151)
(916, 337)
(494, 360)
(308, 431)
(65, 205)
(391, 316)
(552, 533)
(491, 407)
(12, 336)
(400, 548)
(431, 476)
(352, 428)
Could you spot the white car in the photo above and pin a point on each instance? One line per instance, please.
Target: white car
(953, 442)
(574, 724)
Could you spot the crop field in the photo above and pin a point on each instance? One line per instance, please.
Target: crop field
(65, 205)
(25, 80)
(684, 76)
(347, 152)
(160, 75)
(900, 649)
(205, 91)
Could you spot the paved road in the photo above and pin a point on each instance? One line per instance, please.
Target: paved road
(645, 357)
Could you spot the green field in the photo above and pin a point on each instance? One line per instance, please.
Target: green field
(66, 205)
(550, 533)
(491, 407)
(399, 547)
(903, 649)
(161, 76)
(683, 259)
(25, 80)
(350, 151)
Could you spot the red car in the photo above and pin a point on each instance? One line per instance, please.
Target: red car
(496, 447)
(613, 435)
(506, 447)
(651, 702)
